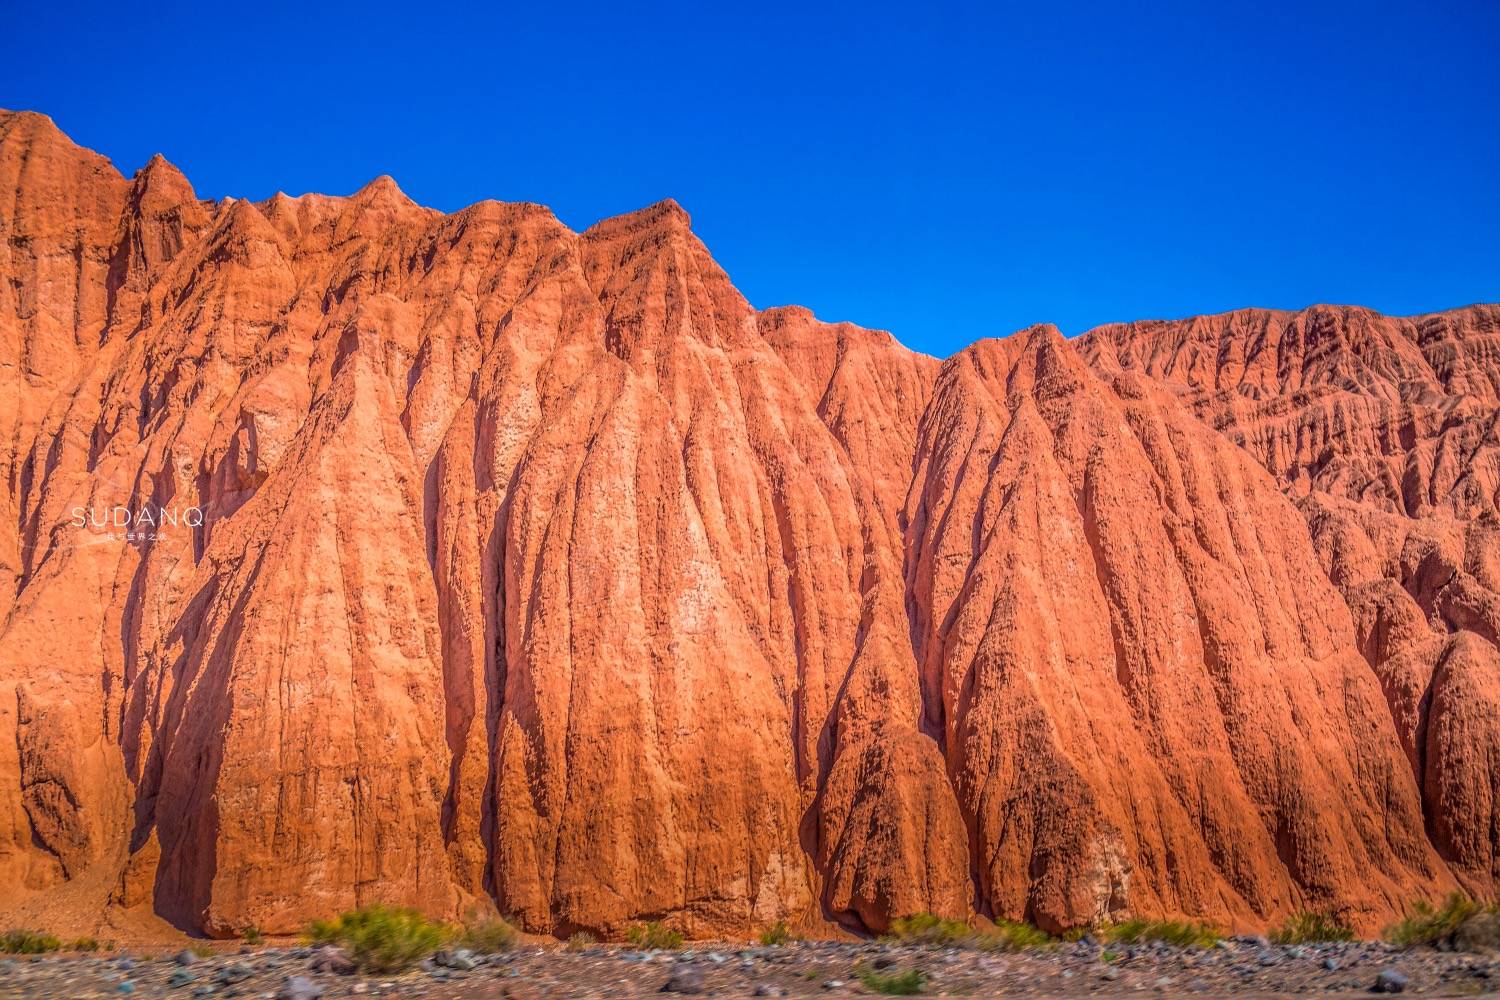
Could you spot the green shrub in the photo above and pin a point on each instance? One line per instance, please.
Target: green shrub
(82, 944)
(1310, 928)
(1004, 935)
(929, 928)
(24, 942)
(251, 935)
(487, 935)
(380, 938)
(1427, 924)
(654, 935)
(1011, 935)
(776, 935)
(581, 941)
(896, 984)
(1182, 933)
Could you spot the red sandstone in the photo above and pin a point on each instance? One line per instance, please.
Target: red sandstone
(538, 567)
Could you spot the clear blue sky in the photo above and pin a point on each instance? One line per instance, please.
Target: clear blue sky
(946, 172)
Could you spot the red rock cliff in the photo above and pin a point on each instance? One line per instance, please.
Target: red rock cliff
(537, 566)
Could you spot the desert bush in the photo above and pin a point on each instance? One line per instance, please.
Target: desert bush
(1310, 928)
(487, 935)
(1011, 935)
(776, 935)
(897, 984)
(1428, 924)
(581, 941)
(380, 938)
(654, 935)
(1003, 935)
(25, 942)
(1182, 933)
(929, 928)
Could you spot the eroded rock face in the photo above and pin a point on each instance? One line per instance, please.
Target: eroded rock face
(1397, 413)
(1384, 432)
(504, 562)
(1146, 704)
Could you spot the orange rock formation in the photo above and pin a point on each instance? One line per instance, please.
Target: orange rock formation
(503, 562)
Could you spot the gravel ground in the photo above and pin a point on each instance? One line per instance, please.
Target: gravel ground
(1242, 967)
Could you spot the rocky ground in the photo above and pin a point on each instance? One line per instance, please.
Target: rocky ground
(1244, 966)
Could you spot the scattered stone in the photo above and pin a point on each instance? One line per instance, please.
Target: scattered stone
(235, 973)
(125, 986)
(685, 979)
(185, 957)
(1390, 981)
(299, 988)
(822, 969)
(331, 959)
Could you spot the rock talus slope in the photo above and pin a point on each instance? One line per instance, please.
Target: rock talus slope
(492, 563)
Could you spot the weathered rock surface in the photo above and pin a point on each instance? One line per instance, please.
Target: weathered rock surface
(1384, 431)
(474, 557)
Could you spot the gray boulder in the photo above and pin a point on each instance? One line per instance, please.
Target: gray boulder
(331, 959)
(236, 973)
(299, 988)
(685, 979)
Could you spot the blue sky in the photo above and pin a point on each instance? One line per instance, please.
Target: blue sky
(944, 171)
